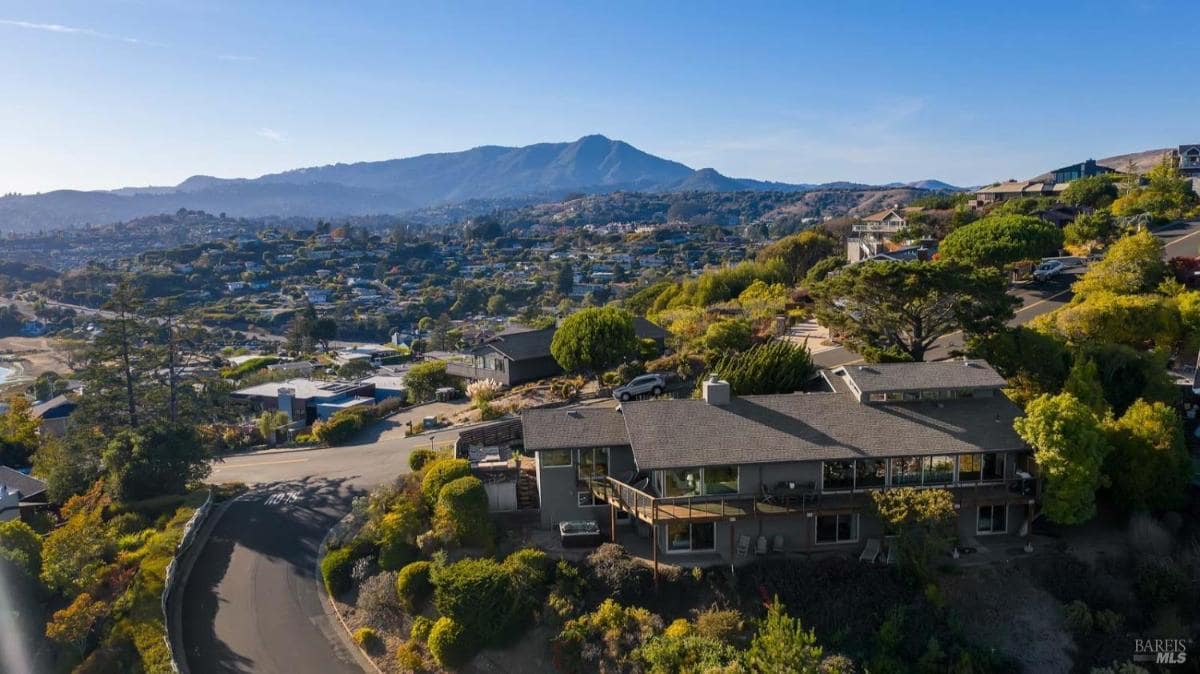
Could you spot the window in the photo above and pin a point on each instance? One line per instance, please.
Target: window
(906, 471)
(969, 467)
(554, 458)
(939, 469)
(993, 519)
(993, 466)
(720, 479)
(837, 475)
(870, 473)
(877, 397)
(691, 537)
(684, 482)
(837, 528)
(592, 464)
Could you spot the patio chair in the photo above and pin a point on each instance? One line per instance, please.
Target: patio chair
(891, 554)
(743, 546)
(761, 549)
(777, 543)
(871, 552)
(767, 496)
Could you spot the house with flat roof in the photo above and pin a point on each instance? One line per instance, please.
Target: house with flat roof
(307, 400)
(707, 475)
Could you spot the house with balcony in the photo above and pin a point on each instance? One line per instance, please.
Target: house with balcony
(698, 477)
(1189, 160)
(869, 236)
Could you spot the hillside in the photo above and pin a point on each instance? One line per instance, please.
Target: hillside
(541, 172)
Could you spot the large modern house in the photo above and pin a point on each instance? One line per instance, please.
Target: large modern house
(307, 400)
(520, 355)
(706, 475)
(869, 235)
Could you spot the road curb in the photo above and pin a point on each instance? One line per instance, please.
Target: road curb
(174, 624)
(330, 606)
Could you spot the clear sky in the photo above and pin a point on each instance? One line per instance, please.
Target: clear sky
(107, 93)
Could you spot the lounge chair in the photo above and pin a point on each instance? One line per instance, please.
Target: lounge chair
(871, 552)
(743, 546)
(761, 549)
(777, 543)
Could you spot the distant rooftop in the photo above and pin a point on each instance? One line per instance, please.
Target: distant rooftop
(305, 388)
(950, 374)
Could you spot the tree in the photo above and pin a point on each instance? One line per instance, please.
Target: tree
(74, 553)
(593, 340)
(73, 625)
(1091, 192)
(1033, 362)
(1127, 374)
(18, 433)
(21, 546)
(773, 367)
(1083, 382)
(424, 379)
(799, 252)
(69, 465)
(564, 280)
(160, 458)
(904, 307)
(1069, 445)
(1167, 195)
(1149, 466)
(1131, 266)
(484, 229)
(1089, 228)
(119, 363)
(782, 646)
(1103, 316)
(496, 304)
(923, 520)
(762, 301)
(269, 423)
(999, 241)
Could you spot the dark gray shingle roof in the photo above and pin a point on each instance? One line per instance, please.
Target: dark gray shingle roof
(565, 428)
(20, 482)
(524, 345)
(949, 374)
(814, 426)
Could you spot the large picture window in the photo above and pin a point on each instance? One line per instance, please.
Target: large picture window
(710, 480)
(939, 469)
(720, 479)
(683, 537)
(906, 471)
(837, 528)
(554, 458)
(837, 475)
(870, 473)
(684, 482)
(592, 464)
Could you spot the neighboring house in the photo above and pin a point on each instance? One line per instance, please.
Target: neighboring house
(869, 235)
(387, 386)
(298, 368)
(53, 415)
(517, 356)
(1014, 189)
(1189, 160)
(1084, 169)
(19, 492)
(922, 250)
(307, 400)
(695, 475)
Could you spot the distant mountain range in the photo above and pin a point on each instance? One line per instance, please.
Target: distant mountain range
(591, 165)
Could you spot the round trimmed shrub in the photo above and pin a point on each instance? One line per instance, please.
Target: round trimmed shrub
(335, 570)
(440, 473)
(449, 643)
(420, 457)
(367, 637)
(413, 586)
(475, 592)
(409, 657)
(461, 513)
(420, 629)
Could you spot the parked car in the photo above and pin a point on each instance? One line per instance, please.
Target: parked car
(654, 384)
(1048, 269)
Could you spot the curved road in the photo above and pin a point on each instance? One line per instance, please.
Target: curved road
(251, 602)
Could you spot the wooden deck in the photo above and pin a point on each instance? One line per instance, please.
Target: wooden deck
(659, 510)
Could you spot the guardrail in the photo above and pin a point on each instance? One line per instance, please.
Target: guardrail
(178, 663)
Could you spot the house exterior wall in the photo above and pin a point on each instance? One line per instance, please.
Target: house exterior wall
(558, 489)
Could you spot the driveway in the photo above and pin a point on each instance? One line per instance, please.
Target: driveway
(252, 603)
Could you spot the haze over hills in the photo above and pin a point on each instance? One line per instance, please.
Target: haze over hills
(593, 164)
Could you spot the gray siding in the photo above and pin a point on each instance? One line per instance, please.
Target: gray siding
(559, 494)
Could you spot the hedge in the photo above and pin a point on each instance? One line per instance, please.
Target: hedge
(335, 570)
(475, 593)
(450, 643)
(461, 513)
(421, 626)
(413, 585)
(439, 474)
(420, 457)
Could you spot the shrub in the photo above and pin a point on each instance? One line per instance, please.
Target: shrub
(424, 379)
(836, 664)
(1159, 582)
(1147, 536)
(1078, 617)
(449, 643)
(461, 514)
(21, 545)
(378, 601)
(483, 391)
(340, 427)
(439, 474)
(475, 594)
(420, 629)
(619, 574)
(396, 535)
(488, 411)
(413, 585)
(721, 625)
(420, 457)
(1107, 621)
(335, 570)
(367, 637)
(409, 657)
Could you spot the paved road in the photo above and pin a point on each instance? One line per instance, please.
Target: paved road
(1181, 239)
(251, 603)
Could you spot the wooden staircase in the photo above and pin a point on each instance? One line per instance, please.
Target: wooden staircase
(527, 491)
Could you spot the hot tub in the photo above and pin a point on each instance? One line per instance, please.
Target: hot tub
(580, 534)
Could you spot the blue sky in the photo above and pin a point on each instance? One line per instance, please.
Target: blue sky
(100, 94)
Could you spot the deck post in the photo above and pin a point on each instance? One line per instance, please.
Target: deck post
(654, 541)
(612, 521)
(732, 541)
